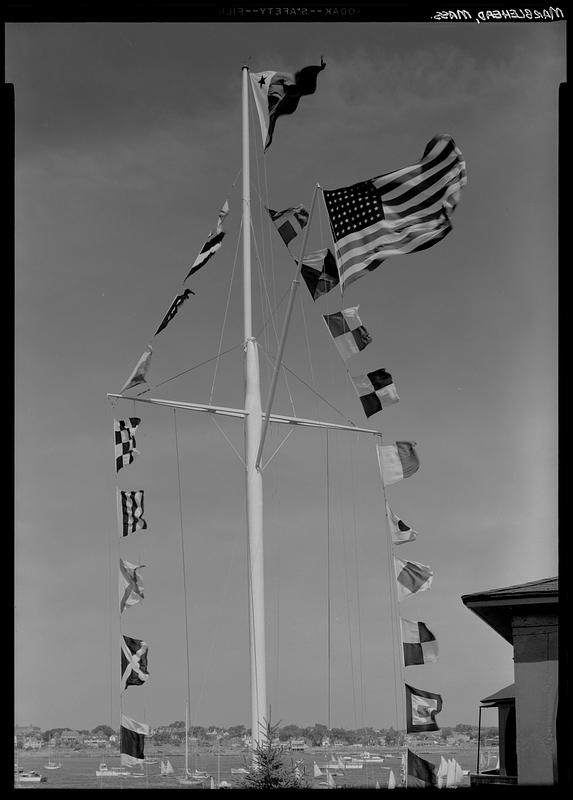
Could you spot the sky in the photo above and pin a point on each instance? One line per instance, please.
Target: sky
(127, 144)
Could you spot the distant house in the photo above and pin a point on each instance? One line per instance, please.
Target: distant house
(298, 744)
(32, 743)
(96, 741)
(526, 616)
(69, 738)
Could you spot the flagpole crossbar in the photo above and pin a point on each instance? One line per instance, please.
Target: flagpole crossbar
(241, 413)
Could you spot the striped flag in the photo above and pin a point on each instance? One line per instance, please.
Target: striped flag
(134, 670)
(173, 309)
(401, 533)
(420, 773)
(213, 243)
(130, 584)
(421, 710)
(125, 450)
(418, 642)
(290, 222)
(132, 741)
(376, 391)
(397, 461)
(132, 512)
(139, 371)
(319, 272)
(397, 213)
(278, 93)
(349, 334)
(412, 577)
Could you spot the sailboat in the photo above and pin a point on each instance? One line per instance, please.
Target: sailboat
(255, 419)
(195, 777)
(53, 764)
(442, 772)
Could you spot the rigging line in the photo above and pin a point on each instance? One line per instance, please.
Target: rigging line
(357, 562)
(265, 465)
(328, 603)
(222, 603)
(110, 611)
(348, 609)
(260, 209)
(183, 566)
(273, 362)
(229, 442)
(226, 311)
(394, 609)
(190, 369)
(263, 284)
(346, 419)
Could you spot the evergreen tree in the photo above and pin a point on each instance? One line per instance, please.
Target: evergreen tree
(267, 769)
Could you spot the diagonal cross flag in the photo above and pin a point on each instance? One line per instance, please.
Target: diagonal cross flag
(130, 584)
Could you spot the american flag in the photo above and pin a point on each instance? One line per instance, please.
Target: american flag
(132, 512)
(397, 213)
(125, 450)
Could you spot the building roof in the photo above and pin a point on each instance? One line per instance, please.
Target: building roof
(505, 695)
(497, 606)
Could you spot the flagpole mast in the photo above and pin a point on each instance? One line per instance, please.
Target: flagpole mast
(254, 485)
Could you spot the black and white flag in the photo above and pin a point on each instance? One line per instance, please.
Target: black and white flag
(132, 512)
(134, 670)
(376, 390)
(125, 450)
(213, 243)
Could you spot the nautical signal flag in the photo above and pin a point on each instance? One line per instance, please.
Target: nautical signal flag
(125, 450)
(213, 243)
(397, 213)
(418, 642)
(132, 512)
(289, 222)
(421, 710)
(130, 584)
(401, 533)
(173, 309)
(132, 741)
(420, 773)
(139, 374)
(278, 93)
(397, 461)
(349, 334)
(376, 391)
(133, 662)
(412, 577)
(319, 272)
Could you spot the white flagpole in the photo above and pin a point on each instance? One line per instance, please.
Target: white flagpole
(254, 481)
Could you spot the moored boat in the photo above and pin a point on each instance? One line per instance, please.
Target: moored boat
(32, 776)
(104, 771)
